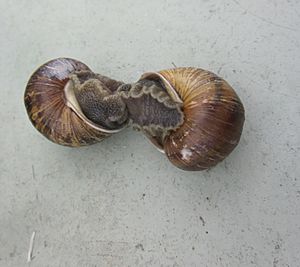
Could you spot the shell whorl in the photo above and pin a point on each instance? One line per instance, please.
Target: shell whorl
(213, 118)
(47, 107)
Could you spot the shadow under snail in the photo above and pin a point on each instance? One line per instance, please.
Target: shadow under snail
(190, 114)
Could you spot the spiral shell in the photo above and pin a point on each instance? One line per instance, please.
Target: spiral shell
(213, 117)
(49, 110)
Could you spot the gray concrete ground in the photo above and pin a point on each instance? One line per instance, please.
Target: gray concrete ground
(120, 202)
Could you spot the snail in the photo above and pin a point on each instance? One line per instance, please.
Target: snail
(199, 120)
(63, 99)
(190, 114)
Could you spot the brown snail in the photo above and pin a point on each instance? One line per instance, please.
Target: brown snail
(190, 114)
(199, 121)
(63, 99)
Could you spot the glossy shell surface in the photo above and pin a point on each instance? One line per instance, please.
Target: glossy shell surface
(46, 106)
(213, 118)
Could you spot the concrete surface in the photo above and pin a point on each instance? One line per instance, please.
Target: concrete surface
(120, 202)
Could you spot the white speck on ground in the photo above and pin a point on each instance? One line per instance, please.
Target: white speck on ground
(30, 250)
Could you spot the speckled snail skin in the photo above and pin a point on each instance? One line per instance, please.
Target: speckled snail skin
(191, 115)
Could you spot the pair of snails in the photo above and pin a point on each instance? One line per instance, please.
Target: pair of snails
(190, 114)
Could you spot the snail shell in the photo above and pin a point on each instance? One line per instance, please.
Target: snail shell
(213, 118)
(52, 107)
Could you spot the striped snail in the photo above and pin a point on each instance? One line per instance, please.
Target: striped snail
(190, 114)
(63, 99)
(207, 120)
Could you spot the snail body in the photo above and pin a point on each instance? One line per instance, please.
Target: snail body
(53, 107)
